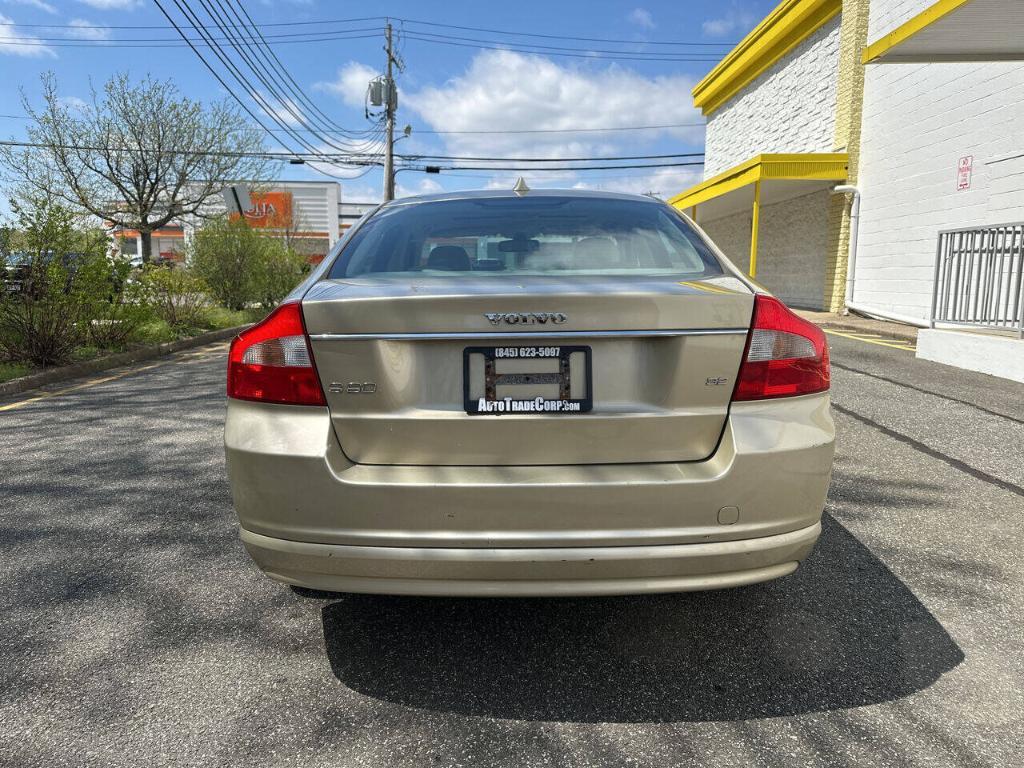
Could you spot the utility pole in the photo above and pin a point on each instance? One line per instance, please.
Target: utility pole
(390, 105)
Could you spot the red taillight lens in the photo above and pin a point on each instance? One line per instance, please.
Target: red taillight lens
(785, 355)
(272, 363)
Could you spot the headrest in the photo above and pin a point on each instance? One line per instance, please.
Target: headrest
(594, 253)
(450, 257)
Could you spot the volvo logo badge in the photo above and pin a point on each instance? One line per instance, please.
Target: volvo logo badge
(526, 318)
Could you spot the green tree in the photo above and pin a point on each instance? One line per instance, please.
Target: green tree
(138, 155)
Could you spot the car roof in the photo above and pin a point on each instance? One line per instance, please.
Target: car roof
(508, 193)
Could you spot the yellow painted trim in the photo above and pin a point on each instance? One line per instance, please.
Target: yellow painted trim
(904, 32)
(824, 166)
(892, 344)
(755, 221)
(778, 33)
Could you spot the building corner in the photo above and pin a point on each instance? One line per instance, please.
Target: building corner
(853, 36)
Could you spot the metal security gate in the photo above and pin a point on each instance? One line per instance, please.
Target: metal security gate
(979, 278)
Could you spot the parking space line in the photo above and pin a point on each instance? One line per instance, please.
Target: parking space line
(891, 343)
(103, 380)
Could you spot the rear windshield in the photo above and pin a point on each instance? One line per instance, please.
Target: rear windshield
(543, 235)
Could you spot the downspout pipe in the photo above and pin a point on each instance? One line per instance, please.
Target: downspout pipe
(851, 263)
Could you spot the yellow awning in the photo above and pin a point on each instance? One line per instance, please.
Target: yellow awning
(826, 166)
(762, 180)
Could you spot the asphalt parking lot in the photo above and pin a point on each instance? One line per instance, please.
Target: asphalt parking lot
(137, 632)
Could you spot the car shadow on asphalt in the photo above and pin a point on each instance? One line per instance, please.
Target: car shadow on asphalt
(842, 632)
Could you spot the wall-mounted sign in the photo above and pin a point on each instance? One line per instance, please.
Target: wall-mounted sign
(236, 198)
(270, 210)
(964, 170)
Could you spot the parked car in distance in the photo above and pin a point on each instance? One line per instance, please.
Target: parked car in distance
(549, 393)
(19, 265)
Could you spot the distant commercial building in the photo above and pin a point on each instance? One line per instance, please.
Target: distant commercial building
(351, 212)
(917, 105)
(310, 214)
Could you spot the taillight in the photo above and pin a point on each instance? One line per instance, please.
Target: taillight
(785, 356)
(272, 363)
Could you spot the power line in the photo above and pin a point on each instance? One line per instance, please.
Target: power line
(570, 130)
(184, 152)
(189, 26)
(592, 52)
(501, 46)
(259, 71)
(114, 43)
(322, 22)
(423, 37)
(666, 126)
(255, 59)
(567, 37)
(228, 88)
(532, 169)
(368, 160)
(98, 40)
(333, 126)
(551, 159)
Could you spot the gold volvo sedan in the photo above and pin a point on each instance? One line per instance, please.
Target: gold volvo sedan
(543, 393)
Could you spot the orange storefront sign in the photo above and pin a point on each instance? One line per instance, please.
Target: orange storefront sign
(271, 210)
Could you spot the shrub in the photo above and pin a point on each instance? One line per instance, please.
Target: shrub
(63, 273)
(242, 266)
(279, 270)
(177, 296)
(117, 318)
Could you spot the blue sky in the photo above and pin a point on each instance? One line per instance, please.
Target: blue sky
(445, 86)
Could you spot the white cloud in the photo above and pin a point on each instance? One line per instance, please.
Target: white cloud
(37, 4)
(74, 103)
(422, 186)
(85, 30)
(736, 21)
(361, 193)
(350, 83)
(17, 44)
(642, 18)
(113, 5)
(507, 91)
(662, 182)
(288, 112)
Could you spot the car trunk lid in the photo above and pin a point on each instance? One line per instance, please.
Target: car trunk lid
(401, 361)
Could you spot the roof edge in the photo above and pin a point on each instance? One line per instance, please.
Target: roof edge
(791, 22)
(799, 166)
(933, 13)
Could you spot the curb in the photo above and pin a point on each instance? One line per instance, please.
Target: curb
(855, 323)
(895, 330)
(116, 360)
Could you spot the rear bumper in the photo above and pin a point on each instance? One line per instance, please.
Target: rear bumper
(311, 517)
(475, 572)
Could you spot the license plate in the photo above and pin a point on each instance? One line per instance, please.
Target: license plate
(543, 379)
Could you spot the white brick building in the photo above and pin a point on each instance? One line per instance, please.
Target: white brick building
(774, 149)
(922, 101)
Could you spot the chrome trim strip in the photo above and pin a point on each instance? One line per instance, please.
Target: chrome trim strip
(479, 335)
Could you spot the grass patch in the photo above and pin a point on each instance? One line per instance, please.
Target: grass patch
(153, 331)
(218, 317)
(87, 352)
(10, 371)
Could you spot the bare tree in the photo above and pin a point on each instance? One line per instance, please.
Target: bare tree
(139, 156)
